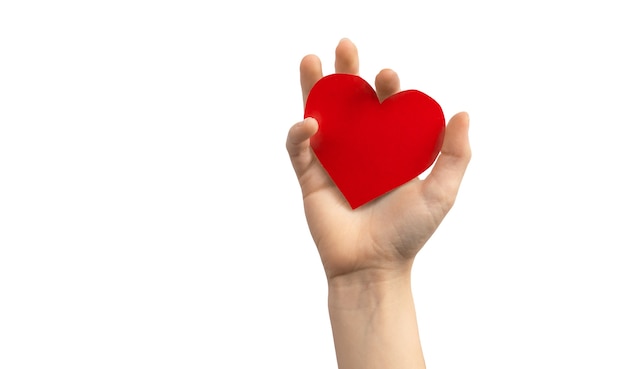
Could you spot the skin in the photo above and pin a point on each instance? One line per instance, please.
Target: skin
(368, 253)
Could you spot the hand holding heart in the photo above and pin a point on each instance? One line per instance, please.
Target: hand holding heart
(384, 234)
(367, 147)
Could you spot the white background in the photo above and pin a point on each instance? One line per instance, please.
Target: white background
(149, 216)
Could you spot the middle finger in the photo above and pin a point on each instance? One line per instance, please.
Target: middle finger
(346, 58)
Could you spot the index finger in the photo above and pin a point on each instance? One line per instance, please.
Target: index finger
(310, 73)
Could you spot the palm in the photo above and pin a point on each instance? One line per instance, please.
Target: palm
(391, 229)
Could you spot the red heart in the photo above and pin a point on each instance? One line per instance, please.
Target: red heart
(369, 148)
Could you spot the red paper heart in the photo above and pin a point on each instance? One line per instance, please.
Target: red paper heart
(369, 148)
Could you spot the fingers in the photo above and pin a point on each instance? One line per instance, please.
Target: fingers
(346, 61)
(298, 143)
(387, 83)
(310, 73)
(346, 58)
(444, 180)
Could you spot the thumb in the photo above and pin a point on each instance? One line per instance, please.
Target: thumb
(298, 144)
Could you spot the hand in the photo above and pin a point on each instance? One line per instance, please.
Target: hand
(384, 235)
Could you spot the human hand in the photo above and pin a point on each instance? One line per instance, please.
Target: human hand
(382, 237)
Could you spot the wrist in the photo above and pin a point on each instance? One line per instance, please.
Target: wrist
(373, 320)
(368, 289)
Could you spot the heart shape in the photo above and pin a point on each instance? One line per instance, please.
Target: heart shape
(369, 148)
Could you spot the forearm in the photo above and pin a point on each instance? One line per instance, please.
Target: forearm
(374, 322)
